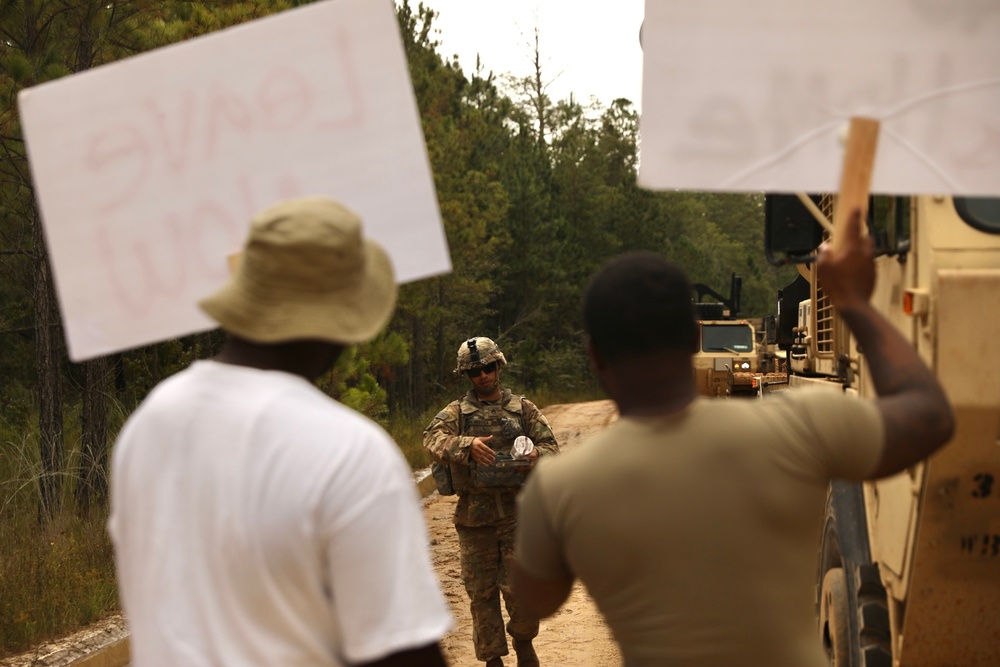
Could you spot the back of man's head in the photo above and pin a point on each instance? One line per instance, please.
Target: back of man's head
(637, 303)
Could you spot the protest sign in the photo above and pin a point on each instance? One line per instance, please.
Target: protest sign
(148, 170)
(756, 96)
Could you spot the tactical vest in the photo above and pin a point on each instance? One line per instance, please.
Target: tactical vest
(504, 423)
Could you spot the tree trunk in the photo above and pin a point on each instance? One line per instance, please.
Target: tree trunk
(48, 364)
(92, 483)
(118, 368)
(441, 360)
(419, 372)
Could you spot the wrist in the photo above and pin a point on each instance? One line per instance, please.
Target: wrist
(851, 307)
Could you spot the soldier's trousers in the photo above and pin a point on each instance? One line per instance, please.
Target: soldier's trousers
(486, 553)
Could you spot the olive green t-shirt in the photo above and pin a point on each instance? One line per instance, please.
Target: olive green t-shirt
(697, 534)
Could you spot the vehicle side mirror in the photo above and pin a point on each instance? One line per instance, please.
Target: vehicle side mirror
(789, 228)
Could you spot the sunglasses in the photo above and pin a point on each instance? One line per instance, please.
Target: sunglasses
(488, 368)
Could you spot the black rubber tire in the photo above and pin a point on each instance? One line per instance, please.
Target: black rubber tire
(845, 545)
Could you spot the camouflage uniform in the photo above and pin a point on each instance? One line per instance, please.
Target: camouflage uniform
(485, 516)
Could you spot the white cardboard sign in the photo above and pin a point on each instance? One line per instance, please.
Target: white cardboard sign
(754, 96)
(148, 170)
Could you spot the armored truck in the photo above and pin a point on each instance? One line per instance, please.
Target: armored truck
(908, 573)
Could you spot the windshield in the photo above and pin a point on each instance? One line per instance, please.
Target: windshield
(983, 213)
(726, 338)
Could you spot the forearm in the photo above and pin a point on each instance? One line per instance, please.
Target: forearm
(546, 447)
(894, 363)
(447, 447)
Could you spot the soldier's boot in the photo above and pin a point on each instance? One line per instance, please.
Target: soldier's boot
(494, 662)
(526, 656)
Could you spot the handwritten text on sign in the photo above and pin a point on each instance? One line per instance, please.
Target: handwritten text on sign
(149, 170)
(754, 96)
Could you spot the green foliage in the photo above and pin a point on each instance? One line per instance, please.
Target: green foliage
(367, 397)
(353, 380)
(17, 65)
(560, 368)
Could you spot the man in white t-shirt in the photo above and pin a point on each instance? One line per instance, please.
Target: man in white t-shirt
(256, 521)
(694, 522)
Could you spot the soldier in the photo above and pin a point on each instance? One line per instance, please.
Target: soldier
(472, 441)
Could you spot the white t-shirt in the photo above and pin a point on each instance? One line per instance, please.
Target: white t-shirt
(697, 533)
(258, 522)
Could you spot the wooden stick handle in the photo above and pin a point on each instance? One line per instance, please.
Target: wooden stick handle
(856, 178)
(233, 260)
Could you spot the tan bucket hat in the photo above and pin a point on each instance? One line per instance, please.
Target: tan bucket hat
(306, 273)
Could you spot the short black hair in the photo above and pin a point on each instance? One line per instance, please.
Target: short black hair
(636, 303)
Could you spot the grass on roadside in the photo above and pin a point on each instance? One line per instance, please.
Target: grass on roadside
(55, 576)
(408, 432)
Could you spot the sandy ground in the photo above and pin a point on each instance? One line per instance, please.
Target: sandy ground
(575, 636)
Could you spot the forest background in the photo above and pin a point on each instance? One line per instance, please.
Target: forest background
(534, 193)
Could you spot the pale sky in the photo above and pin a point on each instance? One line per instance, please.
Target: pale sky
(588, 47)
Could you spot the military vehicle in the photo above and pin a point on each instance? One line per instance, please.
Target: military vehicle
(727, 357)
(728, 352)
(734, 356)
(909, 566)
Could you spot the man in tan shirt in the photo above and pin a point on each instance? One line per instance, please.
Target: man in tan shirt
(694, 522)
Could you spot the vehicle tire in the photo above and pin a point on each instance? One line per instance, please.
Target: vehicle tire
(851, 602)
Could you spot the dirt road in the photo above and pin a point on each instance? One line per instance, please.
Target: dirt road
(576, 636)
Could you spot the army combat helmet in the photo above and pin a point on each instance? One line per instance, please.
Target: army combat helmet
(478, 351)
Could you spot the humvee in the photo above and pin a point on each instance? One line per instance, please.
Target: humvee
(908, 573)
